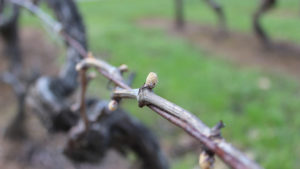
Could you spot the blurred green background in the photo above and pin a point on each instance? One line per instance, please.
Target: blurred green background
(264, 123)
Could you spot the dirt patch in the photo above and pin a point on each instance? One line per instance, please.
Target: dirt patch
(40, 149)
(239, 48)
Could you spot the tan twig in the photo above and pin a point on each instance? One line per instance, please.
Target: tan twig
(82, 107)
(182, 118)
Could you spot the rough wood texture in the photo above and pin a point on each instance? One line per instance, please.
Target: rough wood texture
(51, 96)
(113, 130)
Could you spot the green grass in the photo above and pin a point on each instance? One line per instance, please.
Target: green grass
(263, 122)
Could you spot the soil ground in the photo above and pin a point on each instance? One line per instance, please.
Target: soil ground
(240, 48)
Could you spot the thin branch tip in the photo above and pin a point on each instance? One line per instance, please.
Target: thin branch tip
(82, 107)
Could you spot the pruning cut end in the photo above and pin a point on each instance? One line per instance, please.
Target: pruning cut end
(219, 125)
(112, 105)
(151, 80)
(206, 160)
(123, 68)
(216, 132)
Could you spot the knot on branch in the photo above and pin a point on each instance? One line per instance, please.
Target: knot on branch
(141, 96)
(216, 131)
(117, 73)
(150, 83)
